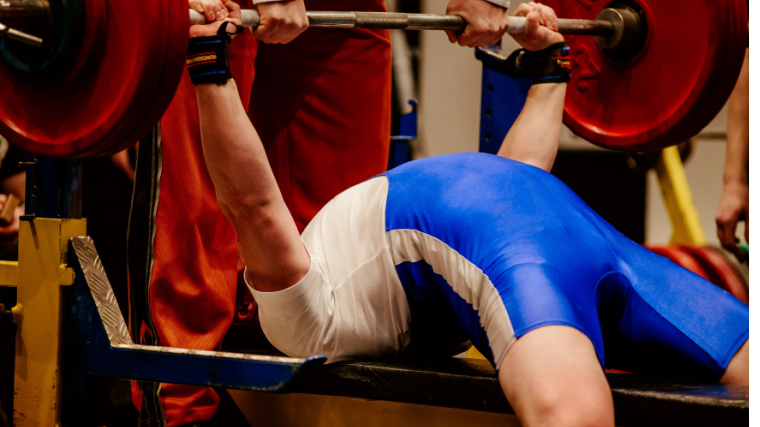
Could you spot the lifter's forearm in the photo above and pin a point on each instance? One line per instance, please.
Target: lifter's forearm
(230, 143)
(247, 191)
(534, 136)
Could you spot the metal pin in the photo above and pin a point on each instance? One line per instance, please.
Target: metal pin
(9, 33)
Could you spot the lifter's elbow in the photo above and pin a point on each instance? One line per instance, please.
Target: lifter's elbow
(542, 159)
(247, 209)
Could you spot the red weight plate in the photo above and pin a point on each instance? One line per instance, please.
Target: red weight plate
(137, 89)
(174, 52)
(681, 257)
(720, 271)
(725, 77)
(161, 76)
(121, 83)
(657, 98)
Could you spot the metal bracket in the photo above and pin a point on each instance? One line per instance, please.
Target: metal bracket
(96, 342)
(502, 98)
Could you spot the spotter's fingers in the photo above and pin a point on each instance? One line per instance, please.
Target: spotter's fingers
(212, 10)
(547, 17)
(211, 28)
(281, 22)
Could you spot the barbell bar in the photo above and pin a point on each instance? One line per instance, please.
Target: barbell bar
(613, 28)
(108, 69)
(605, 26)
(419, 21)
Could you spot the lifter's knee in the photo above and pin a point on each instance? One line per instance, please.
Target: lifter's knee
(566, 407)
(737, 372)
(551, 376)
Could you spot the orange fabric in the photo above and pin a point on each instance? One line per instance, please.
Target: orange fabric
(194, 277)
(322, 107)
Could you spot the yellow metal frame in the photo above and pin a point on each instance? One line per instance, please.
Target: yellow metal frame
(678, 200)
(38, 275)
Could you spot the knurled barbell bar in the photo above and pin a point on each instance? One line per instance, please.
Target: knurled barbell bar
(107, 69)
(613, 29)
(422, 21)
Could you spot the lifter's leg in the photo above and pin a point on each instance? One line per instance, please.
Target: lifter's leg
(552, 377)
(737, 371)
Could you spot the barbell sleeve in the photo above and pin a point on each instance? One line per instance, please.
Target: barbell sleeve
(419, 21)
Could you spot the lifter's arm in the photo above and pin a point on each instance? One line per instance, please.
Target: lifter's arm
(246, 188)
(534, 136)
(247, 191)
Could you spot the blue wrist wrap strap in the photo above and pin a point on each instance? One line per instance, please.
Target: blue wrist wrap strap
(208, 58)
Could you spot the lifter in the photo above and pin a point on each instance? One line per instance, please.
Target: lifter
(474, 247)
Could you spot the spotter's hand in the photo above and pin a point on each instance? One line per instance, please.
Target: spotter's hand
(486, 22)
(540, 27)
(212, 10)
(281, 21)
(210, 28)
(732, 209)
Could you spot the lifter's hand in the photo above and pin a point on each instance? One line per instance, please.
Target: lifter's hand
(486, 22)
(210, 28)
(281, 21)
(540, 27)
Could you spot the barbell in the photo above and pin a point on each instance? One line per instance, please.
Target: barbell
(603, 26)
(654, 74)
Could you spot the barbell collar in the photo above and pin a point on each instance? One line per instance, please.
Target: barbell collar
(627, 27)
(420, 21)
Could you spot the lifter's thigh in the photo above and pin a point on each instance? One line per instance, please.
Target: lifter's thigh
(737, 371)
(551, 376)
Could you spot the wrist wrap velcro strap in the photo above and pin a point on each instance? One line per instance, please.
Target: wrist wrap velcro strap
(208, 58)
(549, 65)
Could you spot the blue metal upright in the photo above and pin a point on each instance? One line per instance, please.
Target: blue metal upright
(400, 151)
(97, 343)
(54, 188)
(502, 98)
